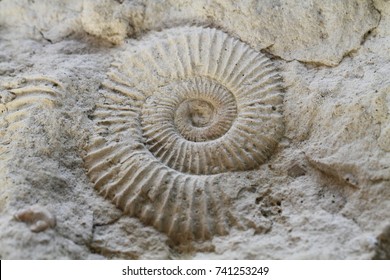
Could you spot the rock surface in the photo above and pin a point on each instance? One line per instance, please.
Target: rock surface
(323, 194)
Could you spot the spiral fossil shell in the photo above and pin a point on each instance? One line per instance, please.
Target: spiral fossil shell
(181, 108)
(20, 99)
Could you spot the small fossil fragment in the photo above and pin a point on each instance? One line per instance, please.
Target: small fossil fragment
(30, 92)
(38, 217)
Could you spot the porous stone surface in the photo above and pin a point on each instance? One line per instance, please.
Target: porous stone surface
(320, 190)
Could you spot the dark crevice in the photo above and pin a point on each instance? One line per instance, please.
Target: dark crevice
(46, 39)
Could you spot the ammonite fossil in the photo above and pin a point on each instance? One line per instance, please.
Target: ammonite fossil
(20, 97)
(181, 108)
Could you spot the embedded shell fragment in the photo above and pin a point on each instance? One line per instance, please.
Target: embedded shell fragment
(19, 99)
(30, 92)
(38, 217)
(180, 109)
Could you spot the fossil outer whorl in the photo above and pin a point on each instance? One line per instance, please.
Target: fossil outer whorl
(180, 109)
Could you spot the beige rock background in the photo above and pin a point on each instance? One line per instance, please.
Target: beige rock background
(325, 192)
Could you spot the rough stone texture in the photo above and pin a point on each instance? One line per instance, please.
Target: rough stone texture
(323, 194)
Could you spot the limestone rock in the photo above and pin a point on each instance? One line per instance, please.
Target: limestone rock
(116, 96)
(110, 21)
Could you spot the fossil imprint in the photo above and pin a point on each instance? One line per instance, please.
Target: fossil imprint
(27, 94)
(181, 108)
(19, 98)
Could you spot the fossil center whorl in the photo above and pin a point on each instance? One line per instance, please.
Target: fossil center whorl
(206, 110)
(195, 112)
(186, 118)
